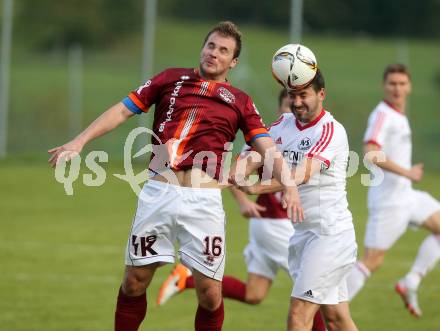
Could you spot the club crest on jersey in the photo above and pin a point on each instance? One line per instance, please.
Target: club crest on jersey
(226, 95)
(304, 144)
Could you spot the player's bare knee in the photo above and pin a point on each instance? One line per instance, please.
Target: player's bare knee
(132, 286)
(209, 297)
(254, 299)
(337, 317)
(333, 320)
(333, 325)
(373, 261)
(137, 279)
(254, 295)
(298, 317)
(433, 223)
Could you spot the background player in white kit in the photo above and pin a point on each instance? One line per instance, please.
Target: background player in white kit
(394, 204)
(323, 249)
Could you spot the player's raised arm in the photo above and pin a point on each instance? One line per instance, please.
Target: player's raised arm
(106, 122)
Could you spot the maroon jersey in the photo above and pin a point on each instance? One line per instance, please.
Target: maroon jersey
(272, 202)
(195, 118)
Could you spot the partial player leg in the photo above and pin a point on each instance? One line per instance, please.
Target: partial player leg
(427, 257)
(132, 301)
(252, 292)
(210, 312)
(179, 280)
(256, 289)
(338, 317)
(372, 260)
(301, 314)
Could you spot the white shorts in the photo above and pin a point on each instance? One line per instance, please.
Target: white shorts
(268, 247)
(194, 217)
(387, 224)
(319, 265)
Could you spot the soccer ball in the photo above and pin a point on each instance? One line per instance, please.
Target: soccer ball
(294, 66)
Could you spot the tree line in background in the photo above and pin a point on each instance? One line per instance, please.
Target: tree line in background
(47, 23)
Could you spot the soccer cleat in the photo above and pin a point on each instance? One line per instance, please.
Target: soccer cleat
(409, 298)
(174, 284)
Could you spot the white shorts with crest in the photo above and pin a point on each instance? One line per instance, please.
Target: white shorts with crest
(192, 217)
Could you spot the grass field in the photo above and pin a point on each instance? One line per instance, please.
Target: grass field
(61, 261)
(61, 257)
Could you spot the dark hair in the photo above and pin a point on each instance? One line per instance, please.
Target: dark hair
(227, 29)
(318, 81)
(283, 93)
(396, 68)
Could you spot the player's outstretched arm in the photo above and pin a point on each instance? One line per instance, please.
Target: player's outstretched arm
(281, 172)
(374, 155)
(108, 121)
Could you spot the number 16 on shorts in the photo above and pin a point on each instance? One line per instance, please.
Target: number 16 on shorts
(213, 248)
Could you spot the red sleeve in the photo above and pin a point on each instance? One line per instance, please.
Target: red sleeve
(140, 100)
(251, 123)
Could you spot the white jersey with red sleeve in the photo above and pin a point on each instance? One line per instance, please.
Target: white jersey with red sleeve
(323, 197)
(389, 129)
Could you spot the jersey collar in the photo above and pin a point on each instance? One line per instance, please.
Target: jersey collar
(389, 104)
(301, 126)
(197, 72)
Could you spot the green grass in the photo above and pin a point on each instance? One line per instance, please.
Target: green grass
(61, 261)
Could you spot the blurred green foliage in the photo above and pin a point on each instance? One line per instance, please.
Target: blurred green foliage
(47, 24)
(39, 110)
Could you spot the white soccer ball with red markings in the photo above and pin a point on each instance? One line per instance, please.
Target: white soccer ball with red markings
(294, 66)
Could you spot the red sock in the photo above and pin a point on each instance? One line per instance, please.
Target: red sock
(209, 320)
(234, 288)
(130, 312)
(318, 322)
(189, 282)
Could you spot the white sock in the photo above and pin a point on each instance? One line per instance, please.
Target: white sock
(427, 258)
(356, 279)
